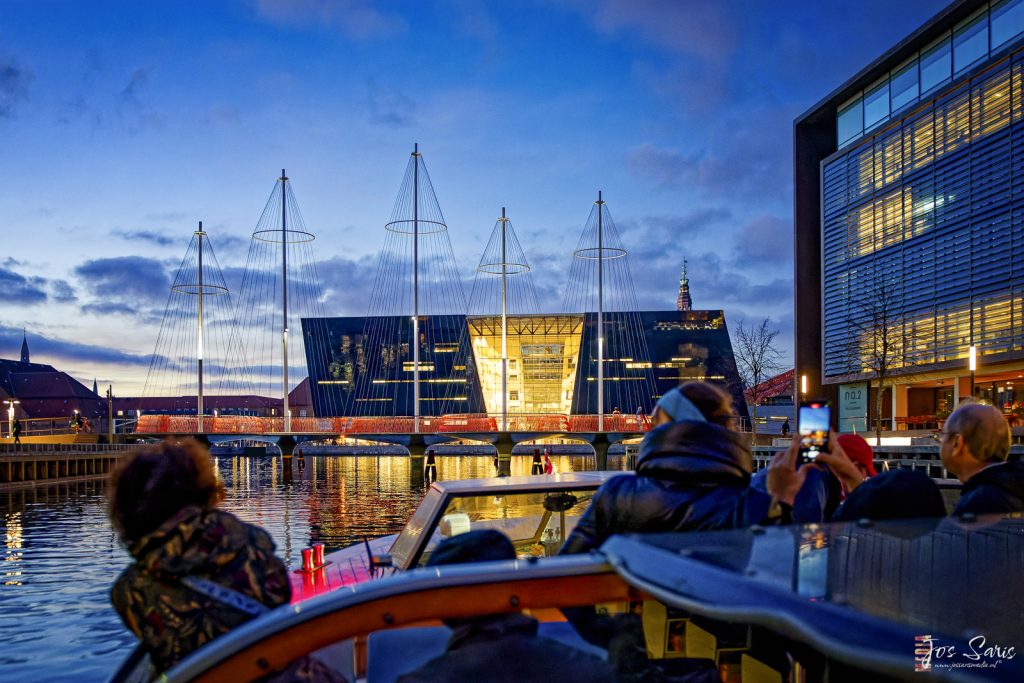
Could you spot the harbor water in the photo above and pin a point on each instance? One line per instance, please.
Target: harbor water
(61, 556)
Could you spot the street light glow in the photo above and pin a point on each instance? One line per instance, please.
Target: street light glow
(972, 358)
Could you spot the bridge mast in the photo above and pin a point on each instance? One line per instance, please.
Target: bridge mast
(284, 295)
(600, 312)
(199, 322)
(504, 326)
(416, 288)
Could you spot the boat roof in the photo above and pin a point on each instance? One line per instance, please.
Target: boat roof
(538, 482)
(864, 587)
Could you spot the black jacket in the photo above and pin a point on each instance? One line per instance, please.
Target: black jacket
(996, 489)
(689, 476)
(506, 648)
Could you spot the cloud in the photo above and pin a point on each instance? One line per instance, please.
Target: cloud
(61, 351)
(14, 80)
(102, 309)
(764, 240)
(62, 292)
(138, 78)
(713, 280)
(705, 30)
(357, 19)
(750, 161)
(157, 238)
(388, 106)
(128, 279)
(20, 290)
(131, 107)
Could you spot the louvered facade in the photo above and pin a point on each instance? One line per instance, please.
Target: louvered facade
(909, 217)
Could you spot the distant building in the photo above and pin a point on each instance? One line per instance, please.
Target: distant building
(42, 391)
(683, 300)
(299, 403)
(908, 221)
(549, 370)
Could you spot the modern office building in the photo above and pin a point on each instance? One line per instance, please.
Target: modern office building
(909, 221)
(356, 370)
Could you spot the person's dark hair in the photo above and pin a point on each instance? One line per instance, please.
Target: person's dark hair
(714, 402)
(155, 482)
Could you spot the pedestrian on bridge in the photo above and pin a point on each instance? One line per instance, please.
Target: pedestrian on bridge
(16, 431)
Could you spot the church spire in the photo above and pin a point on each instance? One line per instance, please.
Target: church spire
(683, 301)
(24, 347)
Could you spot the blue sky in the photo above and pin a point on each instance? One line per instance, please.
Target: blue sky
(122, 124)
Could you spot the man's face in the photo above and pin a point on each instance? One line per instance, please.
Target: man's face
(949, 447)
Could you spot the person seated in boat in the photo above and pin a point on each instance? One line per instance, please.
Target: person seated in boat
(190, 559)
(500, 647)
(975, 448)
(896, 494)
(692, 473)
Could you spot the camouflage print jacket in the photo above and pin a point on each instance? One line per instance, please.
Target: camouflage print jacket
(170, 619)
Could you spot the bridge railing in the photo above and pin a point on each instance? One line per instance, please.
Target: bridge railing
(452, 423)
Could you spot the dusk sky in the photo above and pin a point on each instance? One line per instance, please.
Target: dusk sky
(122, 124)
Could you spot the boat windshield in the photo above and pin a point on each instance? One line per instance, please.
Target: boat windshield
(536, 523)
(407, 541)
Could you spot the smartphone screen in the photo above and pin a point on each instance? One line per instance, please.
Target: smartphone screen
(813, 425)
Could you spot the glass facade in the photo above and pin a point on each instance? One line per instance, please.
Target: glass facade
(991, 29)
(542, 355)
(922, 231)
(552, 362)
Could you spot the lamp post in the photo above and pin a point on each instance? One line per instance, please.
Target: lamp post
(803, 386)
(972, 364)
(10, 403)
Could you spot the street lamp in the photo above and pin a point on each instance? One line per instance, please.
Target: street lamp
(803, 385)
(10, 403)
(972, 363)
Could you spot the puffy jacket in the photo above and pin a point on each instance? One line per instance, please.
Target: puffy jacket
(689, 476)
(996, 489)
(170, 619)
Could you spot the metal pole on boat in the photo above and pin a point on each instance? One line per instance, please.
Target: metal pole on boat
(199, 322)
(600, 312)
(416, 288)
(504, 329)
(284, 295)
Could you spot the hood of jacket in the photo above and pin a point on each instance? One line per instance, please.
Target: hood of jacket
(679, 450)
(196, 541)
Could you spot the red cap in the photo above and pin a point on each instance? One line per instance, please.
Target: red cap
(859, 451)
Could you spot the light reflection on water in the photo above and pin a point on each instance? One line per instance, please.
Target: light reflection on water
(61, 556)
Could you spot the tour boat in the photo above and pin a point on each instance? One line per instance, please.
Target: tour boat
(911, 600)
(535, 512)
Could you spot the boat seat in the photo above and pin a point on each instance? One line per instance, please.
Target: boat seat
(396, 652)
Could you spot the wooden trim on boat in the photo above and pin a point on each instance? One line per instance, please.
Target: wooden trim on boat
(445, 602)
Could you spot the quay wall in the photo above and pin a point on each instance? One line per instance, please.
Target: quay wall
(27, 465)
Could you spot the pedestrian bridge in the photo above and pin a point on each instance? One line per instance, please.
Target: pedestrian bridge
(356, 426)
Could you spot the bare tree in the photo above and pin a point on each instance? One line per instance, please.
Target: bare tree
(880, 343)
(757, 359)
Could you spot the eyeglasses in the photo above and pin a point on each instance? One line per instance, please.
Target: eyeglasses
(940, 435)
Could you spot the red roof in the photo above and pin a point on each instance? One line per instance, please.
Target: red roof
(779, 385)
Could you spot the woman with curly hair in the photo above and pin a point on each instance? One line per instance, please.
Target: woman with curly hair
(163, 506)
